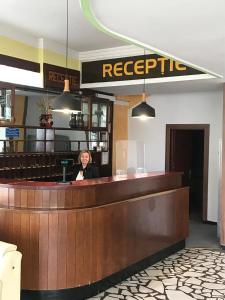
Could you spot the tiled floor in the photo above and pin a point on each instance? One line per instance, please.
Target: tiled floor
(197, 272)
(193, 273)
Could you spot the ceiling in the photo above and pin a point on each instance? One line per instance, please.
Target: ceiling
(190, 30)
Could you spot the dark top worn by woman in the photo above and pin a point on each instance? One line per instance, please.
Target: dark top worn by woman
(89, 172)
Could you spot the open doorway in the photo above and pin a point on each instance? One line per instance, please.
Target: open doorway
(187, 150)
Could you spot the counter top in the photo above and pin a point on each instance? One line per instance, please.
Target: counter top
(86, 193)
(16, 183)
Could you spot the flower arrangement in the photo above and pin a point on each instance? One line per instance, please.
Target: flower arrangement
(44, 105)
(46, 115)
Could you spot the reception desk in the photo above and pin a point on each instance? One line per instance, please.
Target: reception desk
(77, 239)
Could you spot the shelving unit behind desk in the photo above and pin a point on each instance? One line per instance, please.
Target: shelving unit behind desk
(32, 155)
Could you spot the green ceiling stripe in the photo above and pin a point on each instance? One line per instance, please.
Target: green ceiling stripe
(90, 16)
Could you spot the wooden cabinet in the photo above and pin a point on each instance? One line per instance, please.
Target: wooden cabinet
(95, 114)
(99, 114)
(29, 151)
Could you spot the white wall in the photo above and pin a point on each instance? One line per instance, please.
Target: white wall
(183, 108)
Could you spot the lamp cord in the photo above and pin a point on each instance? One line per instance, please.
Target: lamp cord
(67, 35)
(144, 98)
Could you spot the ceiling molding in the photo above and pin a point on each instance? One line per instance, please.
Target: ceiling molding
(115, 52)
(147, 81)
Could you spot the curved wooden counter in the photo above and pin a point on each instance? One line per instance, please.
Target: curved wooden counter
(75, 235)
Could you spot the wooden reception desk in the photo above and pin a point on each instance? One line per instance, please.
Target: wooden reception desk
(75, 237)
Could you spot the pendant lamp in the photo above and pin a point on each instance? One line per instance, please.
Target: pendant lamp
(67, 102)
(143, 110)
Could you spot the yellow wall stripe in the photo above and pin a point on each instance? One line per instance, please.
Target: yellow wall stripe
(21, 50)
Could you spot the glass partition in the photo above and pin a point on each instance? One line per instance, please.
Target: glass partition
(130, 157)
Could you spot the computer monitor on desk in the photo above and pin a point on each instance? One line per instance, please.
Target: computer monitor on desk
(64, 163)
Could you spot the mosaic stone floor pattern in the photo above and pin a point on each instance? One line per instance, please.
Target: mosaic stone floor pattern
(192, 273)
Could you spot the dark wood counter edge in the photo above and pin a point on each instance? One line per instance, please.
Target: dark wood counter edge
(84, 292)
(57, 210)
(35, 185)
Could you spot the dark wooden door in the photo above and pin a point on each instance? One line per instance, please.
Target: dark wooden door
(187, 151)
(186, 155)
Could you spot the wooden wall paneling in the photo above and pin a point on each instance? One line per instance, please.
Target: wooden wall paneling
(62, 253)
(71, 249)
(3, 233)
(43, 250)
(120, 132)
(53, 251)
(98, 237)
(11, 197)
(61, 199)
(34, 249)
(115, 238)
(45, 198)
(5, 196)
(181, 219)
(88, 245)
(25, 249)
(17, 198)
(24, 198)
(83, 246)
(69, 198)
(31, 198)
(108, 238)
(16, 228)
(8, 228)
(53, 198)
(38, 199)
(131, 238)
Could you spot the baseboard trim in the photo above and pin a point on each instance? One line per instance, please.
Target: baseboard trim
(84, 292)
(210, 222)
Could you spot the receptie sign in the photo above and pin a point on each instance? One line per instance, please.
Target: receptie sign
(54, 77)
(133, 68)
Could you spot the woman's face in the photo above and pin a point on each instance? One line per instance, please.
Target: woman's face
(84, 158)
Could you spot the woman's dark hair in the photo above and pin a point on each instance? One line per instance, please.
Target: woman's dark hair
(85, 151)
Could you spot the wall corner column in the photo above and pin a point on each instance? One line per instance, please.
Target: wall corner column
(222, 195)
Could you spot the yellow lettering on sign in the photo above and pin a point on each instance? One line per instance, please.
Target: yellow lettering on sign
(51, 75)
(56, 77)
(117, 70)
(171, 65)
(150, 63)
(125, 68)
(180, 67)
(139, 67)
(162, 65)
(107, 69)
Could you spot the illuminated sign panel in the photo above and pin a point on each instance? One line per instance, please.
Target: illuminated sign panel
(133, 68)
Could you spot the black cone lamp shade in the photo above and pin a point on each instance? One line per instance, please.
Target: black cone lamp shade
(66, 102)
(143, 110)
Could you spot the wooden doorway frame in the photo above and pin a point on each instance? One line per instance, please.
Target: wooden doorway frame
(205, 128)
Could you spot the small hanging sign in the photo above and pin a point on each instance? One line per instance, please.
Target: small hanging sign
(12, 132)
(54, 77)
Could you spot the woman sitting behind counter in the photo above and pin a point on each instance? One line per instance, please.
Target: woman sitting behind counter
(85, 170)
